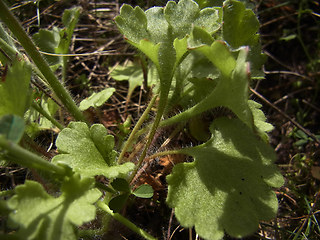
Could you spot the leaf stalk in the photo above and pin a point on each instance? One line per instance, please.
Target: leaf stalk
(26, 158)
(13, 24)
(125, 221)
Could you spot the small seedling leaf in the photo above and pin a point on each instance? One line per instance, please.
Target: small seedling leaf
(70, 19)
(120, 185)
(12, 127)
(118, 202)
(96, 99)
(89, 151)
(228, 186)
(38, 215)
(143, 191)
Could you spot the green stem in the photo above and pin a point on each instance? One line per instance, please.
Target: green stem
(161, 108)
(5, 36)
(133, 134)
(47, 115)
(7, 50)
(11, 52)
(125, 221)
(26, 158)
(104, 187)
(12, 23)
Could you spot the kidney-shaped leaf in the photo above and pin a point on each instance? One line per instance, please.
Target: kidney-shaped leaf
(89, 151)
(228, 186)
(38, 215)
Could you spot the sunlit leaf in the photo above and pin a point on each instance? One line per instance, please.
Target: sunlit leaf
(89, 151)
(143, 191)
(228, 186)
(38, 215)
(96, 99)
(239, 24)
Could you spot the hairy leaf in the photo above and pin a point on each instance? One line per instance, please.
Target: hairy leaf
(232, 87)
(89, 151)
(161, 34)
(239, 24)
(38, 215)
(260, 119)
(240, 27)
(14, 88)
(228, 186)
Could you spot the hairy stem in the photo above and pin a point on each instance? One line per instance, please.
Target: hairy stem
(161, 108)
(125, 221)
(26, 158)
(12, 23)
(47, 115)
(133, 134)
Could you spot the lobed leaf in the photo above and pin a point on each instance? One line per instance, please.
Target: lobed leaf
(232, 88)
(89, 151)
(38, 215)
(239, 24)
(260, 120)
(228, 186)
(161, 33)
(14, 88)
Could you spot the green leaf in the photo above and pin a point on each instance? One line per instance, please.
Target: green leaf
(48, 41)
(89, 151)
(96, 99)
(232, 89)
(70, 19)
(239, 24)
(12, 127)
(41, 216)
(14, 89)
(260, 119)
(228, 186)
(143, 191)
(121, 185)
(221, 57)
(38, 121)
(118, 202)
(161, 33)
(132, 72)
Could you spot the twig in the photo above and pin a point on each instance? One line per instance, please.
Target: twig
(170, 223)
(286, 116)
